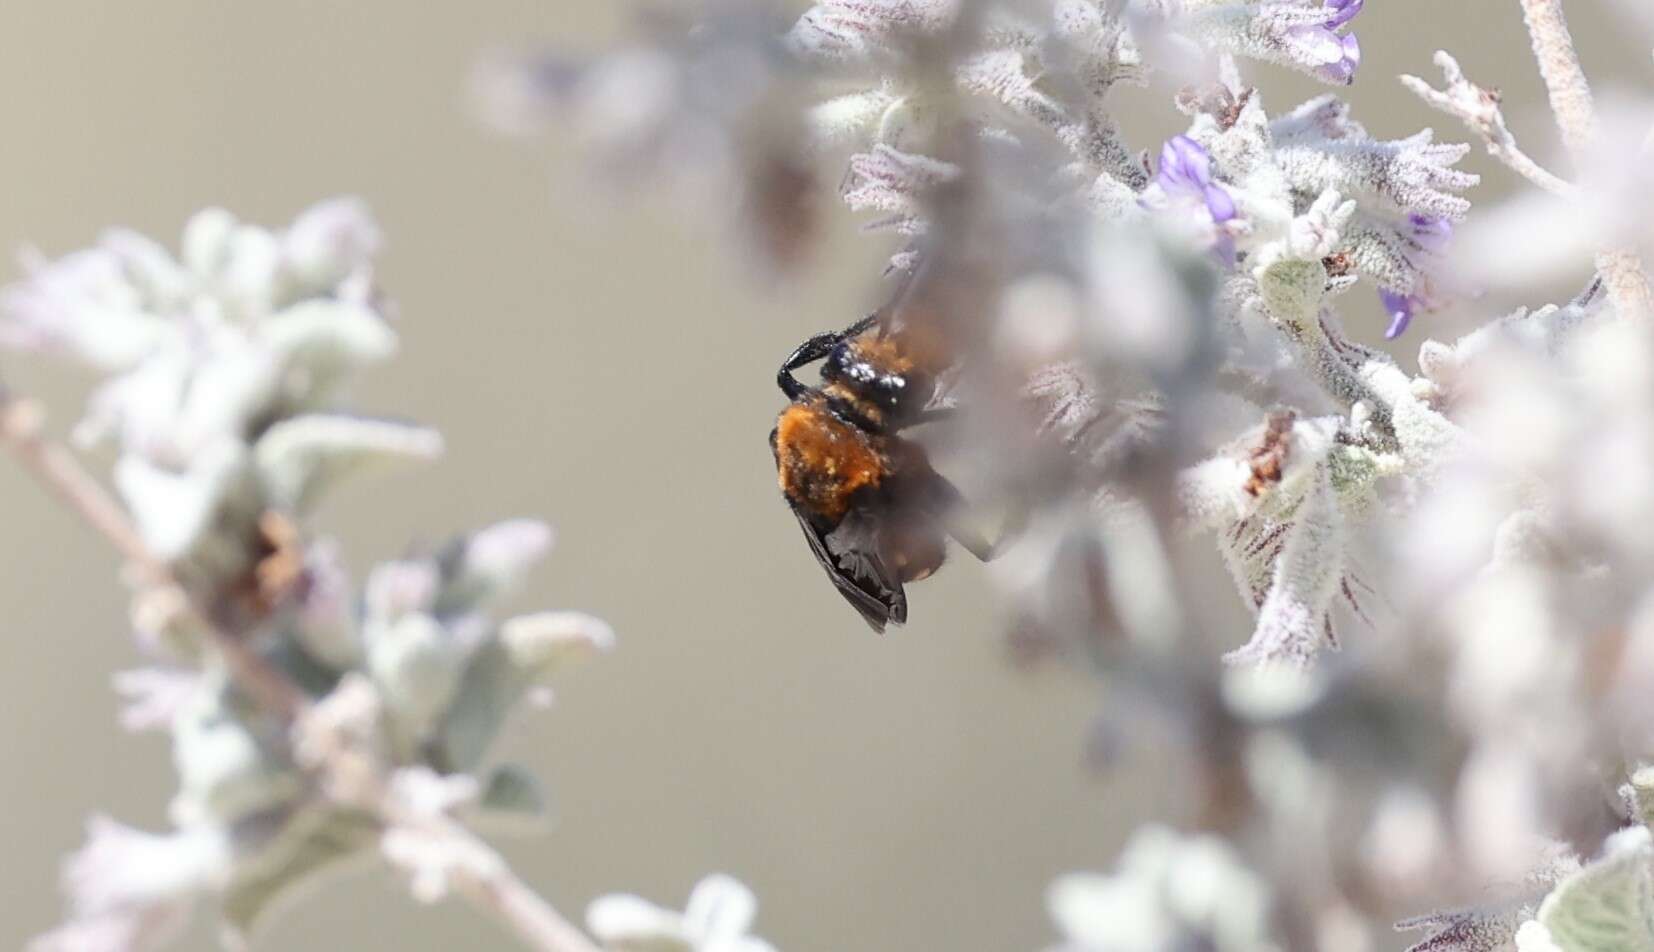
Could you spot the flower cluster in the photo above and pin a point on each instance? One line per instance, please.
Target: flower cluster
(1154, 348)
(225, 367)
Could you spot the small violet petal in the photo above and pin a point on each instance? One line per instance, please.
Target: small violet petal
(1184, 165)
(1430, 231)
(1219, 203)
(1400, 307)
(1343, 11)
(1341, 70)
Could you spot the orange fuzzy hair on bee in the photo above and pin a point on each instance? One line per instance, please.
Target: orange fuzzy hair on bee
(822, 462)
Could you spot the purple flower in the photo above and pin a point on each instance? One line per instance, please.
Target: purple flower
(1186, 177)
(1401, 308)
(1186, 170)
(1333, 56)
(1432, 234)
(1343, 11)
(1430, 231)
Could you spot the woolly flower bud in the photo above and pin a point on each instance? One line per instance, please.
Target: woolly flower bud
(492, 561)
(717, 918)
(330, 241)
(547, 640)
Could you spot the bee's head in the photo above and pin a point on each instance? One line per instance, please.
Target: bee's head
(878, 376)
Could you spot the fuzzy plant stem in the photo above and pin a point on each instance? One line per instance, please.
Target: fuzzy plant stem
(1478, 109)
(496, 891)
(487, 882)
(60, 471)
(1570, 94)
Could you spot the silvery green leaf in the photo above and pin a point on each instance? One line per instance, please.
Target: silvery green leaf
(224, 389)
(190, 391)
(1292, 290)
(327, 335)
(490, 687)
(138, 403)
(417, 664)
(329, 241)
(1608, 906)
(545, 641)
(225, 771)
(307, 846)
(174, 510)
(491, 562)
(502, 669)
(151, 268)
(1392, 179)
(836, 31)
(512, 795)
(299, 457)
(206, 245)
(1322, 118)
(1304, 576)
(248, 281)
(81, 306)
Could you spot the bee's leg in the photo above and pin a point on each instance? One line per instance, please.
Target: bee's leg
(812, 350)
(949, 503)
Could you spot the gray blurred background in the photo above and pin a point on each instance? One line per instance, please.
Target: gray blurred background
(604, 365)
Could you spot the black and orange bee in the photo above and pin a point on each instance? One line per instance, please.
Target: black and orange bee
(875, 512)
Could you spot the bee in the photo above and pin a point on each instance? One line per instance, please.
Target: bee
(875, 513)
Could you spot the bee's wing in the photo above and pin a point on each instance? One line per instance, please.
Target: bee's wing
(861, 577)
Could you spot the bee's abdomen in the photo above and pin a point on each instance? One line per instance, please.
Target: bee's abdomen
(822, 462)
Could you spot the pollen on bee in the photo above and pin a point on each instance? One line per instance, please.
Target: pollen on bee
(822, 461)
